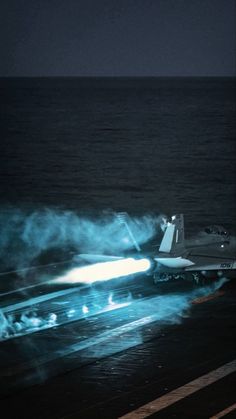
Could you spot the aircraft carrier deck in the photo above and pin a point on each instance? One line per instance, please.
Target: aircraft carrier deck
(157, 354)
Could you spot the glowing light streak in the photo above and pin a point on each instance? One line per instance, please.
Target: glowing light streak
(114, 306)
(110, 299)
(104, 271)
(85, 309)
(71, 312)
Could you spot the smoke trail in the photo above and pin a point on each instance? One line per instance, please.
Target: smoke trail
(25, 236)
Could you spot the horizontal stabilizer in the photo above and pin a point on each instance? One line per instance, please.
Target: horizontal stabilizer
(174, 262)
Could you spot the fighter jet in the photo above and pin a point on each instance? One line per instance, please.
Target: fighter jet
(209, 256)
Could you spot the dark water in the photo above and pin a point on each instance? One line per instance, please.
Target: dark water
(155, 145)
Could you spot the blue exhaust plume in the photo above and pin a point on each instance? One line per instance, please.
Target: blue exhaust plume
(104, 271)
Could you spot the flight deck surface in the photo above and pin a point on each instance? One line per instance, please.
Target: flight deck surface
(157, 355)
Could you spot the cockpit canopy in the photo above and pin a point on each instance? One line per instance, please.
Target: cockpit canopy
(216, 230)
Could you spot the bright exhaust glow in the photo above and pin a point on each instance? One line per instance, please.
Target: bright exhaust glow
(105, 271)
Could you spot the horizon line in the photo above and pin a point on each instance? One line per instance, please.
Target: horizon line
(115, 77)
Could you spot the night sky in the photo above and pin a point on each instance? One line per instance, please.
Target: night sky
(117, 38)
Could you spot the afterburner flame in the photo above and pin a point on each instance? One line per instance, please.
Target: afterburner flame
(105, 271)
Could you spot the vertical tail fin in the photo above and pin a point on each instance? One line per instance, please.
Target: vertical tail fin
(173, 239)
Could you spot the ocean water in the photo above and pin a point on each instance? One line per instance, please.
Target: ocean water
(160, 146)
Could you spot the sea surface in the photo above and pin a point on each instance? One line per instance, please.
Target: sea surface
(157, 145)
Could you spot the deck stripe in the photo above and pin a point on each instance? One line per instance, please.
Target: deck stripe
(224, 412)
(181, 392)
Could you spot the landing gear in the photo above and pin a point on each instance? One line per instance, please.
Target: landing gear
(164, 277)
(161, 277)
(196, 278)
(200, 279)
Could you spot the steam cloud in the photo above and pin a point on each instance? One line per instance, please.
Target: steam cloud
(28, 321)
(25, 236)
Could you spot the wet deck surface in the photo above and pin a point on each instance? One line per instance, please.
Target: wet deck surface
(112, 363)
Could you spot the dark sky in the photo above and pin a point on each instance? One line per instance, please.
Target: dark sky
(117, 38)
